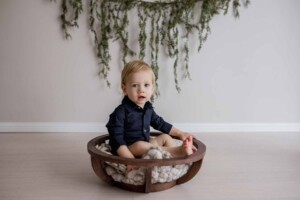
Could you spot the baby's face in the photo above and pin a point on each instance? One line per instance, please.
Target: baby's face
(139, 87)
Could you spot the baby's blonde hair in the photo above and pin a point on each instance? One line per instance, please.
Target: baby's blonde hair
(133, 67)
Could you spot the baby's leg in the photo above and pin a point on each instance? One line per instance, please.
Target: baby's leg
(163, 140)
(139, 148)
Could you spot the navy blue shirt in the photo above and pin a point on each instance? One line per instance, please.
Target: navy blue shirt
(130, 123)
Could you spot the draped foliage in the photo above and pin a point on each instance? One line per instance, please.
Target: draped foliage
(162, 25)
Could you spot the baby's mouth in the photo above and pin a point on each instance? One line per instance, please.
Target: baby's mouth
(141, 97)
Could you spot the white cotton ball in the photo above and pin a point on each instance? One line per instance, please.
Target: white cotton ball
(164, 176)
(165, 169)
(118, 177)
(155, 175)
(126, 180)
(161, 180)
(138, 178)
(148, 154)
(166, 155)
(174, 172)
(155, 153)
(159, 155)
(131, 174)
(169, 178)
(122, 168)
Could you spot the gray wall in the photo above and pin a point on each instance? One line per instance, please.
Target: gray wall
(247, 72)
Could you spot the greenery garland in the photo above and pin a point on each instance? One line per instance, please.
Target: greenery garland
(108, 20)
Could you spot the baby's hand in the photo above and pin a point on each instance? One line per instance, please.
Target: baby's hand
(184, 136)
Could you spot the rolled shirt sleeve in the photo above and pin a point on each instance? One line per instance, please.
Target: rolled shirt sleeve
(159, 123)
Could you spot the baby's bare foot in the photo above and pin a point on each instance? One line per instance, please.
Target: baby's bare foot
(188, 145)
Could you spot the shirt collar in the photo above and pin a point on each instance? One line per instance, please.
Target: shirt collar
(130, 106)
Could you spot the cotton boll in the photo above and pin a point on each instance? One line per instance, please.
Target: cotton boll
(155, 175)
(118, 177)
(131, 174)
(122, 168)
(155, 153)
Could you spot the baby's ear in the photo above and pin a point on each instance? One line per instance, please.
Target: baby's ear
(123, 88)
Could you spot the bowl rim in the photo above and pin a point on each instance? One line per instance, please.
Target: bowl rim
(94, 152)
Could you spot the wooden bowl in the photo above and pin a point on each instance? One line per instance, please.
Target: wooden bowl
(98, 159)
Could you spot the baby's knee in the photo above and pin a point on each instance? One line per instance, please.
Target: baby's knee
(140, 143)
(139, 148)
(166, 137)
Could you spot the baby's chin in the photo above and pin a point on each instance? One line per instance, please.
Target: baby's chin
(141, 102)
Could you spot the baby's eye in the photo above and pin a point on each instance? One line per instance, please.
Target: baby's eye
(134, 85)
(147, 85)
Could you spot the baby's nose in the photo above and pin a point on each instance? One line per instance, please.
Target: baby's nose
(141, 89)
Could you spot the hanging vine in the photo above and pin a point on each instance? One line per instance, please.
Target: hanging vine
(169, 21)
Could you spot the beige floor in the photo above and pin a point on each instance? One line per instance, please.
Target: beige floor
(38, 166)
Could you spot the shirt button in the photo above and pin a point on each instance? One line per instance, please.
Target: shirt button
(145, 130)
